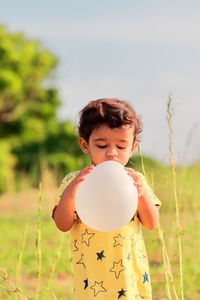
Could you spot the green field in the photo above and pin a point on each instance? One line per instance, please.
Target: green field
(31, 246)
(35, 258)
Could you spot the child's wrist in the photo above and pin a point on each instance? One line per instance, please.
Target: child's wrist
(142, 194)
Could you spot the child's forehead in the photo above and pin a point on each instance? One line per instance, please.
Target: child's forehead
(124, 132)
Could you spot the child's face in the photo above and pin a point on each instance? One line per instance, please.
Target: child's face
(110, 144)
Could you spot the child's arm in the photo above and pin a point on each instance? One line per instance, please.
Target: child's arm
(64, 212)
(148, 212)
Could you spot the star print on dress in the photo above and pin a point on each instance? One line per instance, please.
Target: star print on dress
(141, 254)
(109, 265)
(67, 179)
(86, 283)
(81, 261)
(121, 293)
(129, 256)
(117, 268)
(132, 241)
(98, 288)
(100, 255)
(119, 240)
(145, 277)
(138, 297)
(74, 245)
(86, 236)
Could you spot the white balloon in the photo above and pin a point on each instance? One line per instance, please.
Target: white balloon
(107, 199)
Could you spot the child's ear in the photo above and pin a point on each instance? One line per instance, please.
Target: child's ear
(83, 145)
(135, 145)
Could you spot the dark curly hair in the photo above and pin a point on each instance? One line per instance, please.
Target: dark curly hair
(108, 111)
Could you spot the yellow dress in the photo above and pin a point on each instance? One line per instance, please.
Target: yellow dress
(109, 265)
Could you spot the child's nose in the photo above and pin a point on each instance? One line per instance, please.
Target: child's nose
(112, 152)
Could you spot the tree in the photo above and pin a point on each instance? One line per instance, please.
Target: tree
(28, 109)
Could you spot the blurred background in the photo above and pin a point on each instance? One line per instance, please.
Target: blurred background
(54, 58)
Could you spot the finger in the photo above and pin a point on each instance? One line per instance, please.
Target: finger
(131, 170)
(89, 168)
(85, 172)
(134, 176)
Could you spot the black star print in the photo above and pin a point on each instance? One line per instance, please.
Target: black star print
(98, 288)
(145, 277)
(117, 268)
(81, 261)
(86, 283)
(86, 236)
(100, 255)
(75, 247)
(121, 293)
(119, 240)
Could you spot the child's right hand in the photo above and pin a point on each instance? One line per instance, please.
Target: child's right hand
(64, 212)
(70, 190)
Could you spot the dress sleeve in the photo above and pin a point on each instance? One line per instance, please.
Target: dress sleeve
(152, 196)
(64, 183)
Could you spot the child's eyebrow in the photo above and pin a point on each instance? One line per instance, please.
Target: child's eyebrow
(123, 141)
(99, 139)
(102, 139)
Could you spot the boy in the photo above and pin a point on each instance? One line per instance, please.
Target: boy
(108, 265)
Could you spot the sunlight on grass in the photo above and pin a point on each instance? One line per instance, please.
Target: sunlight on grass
(36, 259)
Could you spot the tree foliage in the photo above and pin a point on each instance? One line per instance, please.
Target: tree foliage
(31, 135)
(29, 128)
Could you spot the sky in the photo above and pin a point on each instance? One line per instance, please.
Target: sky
(140, 51)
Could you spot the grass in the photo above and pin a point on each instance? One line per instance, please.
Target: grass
(19, 258)
(188, 193)
(23, 259)
(35, 261)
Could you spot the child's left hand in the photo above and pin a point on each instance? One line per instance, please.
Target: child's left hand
(136, 180)
(147, 212)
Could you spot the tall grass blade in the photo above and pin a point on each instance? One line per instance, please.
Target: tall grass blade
(166, 262)
(9, 286)
(38, 244)
(173, 168)
(53, 267)
(20, 257)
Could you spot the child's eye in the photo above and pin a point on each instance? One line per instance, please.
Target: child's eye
(100, 146)
(120, 147)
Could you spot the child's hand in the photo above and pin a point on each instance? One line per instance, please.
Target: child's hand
(147, 211)
(71, 189)
(63, 213)
(137, 181)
